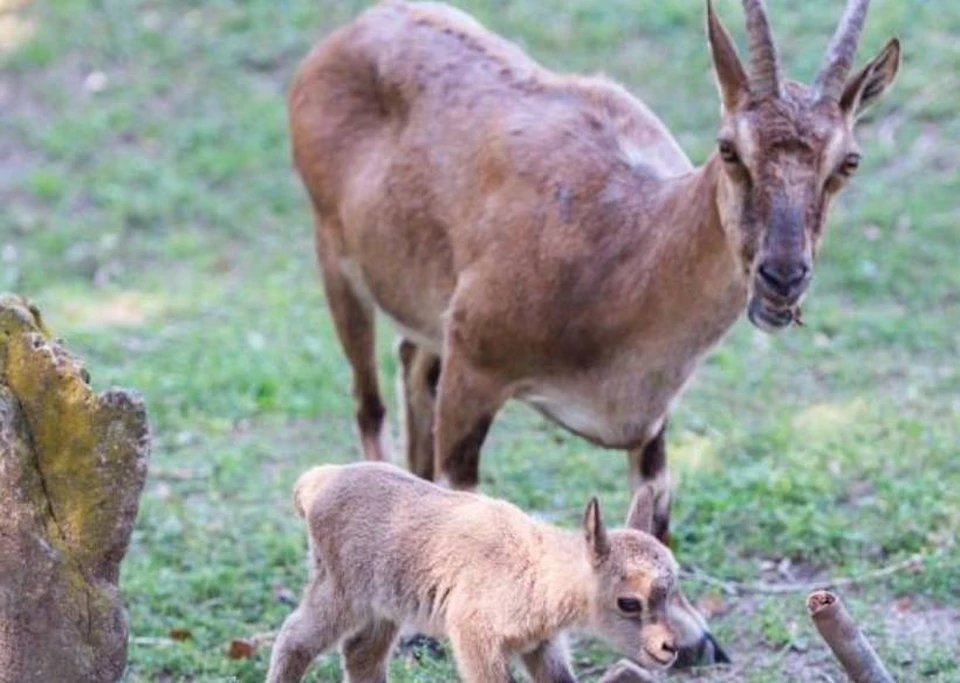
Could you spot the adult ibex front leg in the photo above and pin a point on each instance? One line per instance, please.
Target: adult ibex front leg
(468, 399)
(648, 466)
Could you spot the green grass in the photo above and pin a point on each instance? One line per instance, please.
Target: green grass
(157, 223)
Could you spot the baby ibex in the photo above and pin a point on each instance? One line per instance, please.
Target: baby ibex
(389, 550)
(544, 237)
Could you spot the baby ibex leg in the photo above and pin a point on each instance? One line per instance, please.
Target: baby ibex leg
(313, 627)
(549, 663)
(419, 375)
(366, 654)
(479, 661)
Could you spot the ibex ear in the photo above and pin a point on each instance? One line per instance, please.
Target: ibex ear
(594, 531)
(869, 84)
(640, 516)
(732, 80)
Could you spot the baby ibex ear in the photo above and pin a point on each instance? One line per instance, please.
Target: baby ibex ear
(640, 516)
(596, 534)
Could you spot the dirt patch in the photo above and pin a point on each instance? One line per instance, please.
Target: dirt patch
(922, 627)
(915, 639)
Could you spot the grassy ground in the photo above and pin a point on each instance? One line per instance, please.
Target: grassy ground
(149, 208)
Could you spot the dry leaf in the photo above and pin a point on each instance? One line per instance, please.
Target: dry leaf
(179, 634)
(241, 648)
(711, 604)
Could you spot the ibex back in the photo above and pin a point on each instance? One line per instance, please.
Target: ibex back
(543, 237)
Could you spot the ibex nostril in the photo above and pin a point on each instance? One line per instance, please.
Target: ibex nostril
(669, 647)
(784, 279)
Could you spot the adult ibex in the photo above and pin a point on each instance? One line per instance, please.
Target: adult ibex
(543, 237)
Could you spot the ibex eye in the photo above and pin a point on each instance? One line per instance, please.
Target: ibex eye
(728, 152)
(850, 164)
(629, 606)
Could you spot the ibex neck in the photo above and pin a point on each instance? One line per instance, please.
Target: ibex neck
(567, 579)
(687, 276)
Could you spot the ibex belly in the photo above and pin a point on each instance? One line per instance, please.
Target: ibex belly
(621, 409)
(415, 330)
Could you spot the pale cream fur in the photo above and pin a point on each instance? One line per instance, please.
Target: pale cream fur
(389, 552)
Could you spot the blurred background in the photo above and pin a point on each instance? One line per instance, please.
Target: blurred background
(147, 204)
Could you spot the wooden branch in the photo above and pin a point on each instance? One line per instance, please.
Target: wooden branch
(847, 641)
(738, 588)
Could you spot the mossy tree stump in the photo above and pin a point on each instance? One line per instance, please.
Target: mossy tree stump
(72, 467)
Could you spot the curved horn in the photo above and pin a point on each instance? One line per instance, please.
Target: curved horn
(842, 50)
(764, 65)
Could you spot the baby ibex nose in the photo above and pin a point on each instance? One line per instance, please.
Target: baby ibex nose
(786, 278)
(669, 647)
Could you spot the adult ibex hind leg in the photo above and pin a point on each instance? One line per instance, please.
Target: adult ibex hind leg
(417, 392)
(353, 316)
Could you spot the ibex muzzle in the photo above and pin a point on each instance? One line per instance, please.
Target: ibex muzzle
(787, 150)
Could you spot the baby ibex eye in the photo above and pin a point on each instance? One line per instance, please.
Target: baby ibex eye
(630, 606)
(728, 152)
(850, 164)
